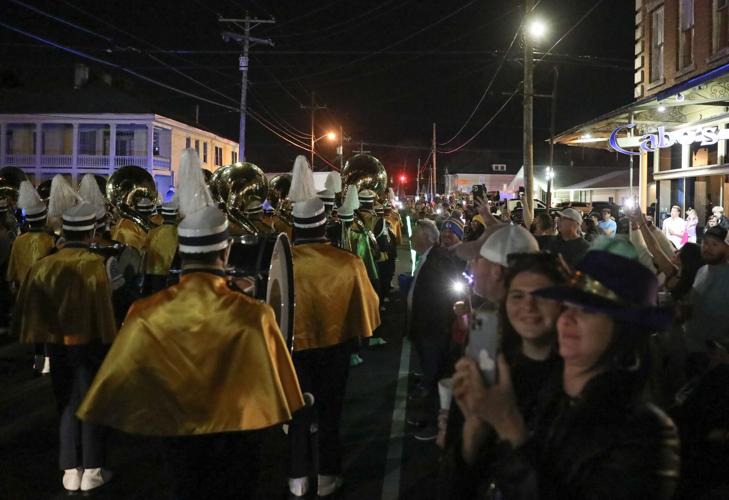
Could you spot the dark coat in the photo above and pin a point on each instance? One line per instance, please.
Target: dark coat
(432, 308)
(607, 444)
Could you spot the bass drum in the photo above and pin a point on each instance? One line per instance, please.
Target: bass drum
(267, 261)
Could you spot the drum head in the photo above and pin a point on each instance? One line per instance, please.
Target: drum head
(280, 287)
(130, 263)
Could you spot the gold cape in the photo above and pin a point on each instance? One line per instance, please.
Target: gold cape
(130, 233)
(335, 301)
(157, 219)
(27, 249)
(396, 225)
(161, 248)
(196, 358)
(282, 226)
(66, 299)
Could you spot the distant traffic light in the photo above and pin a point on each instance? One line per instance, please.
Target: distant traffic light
(403, 179)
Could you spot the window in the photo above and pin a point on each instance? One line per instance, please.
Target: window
(205, 152)
(218, 156)
(657, 42)
(125, 143)
(721, 24)
(187, 142)
(197, 146)
(498, 167)
(87, 142)
(234, 156)
(685, 33)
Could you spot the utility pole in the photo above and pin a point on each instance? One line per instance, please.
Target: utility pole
(246, 41)
(550, 174)
(313, 108)
(435, 169)
(417, 181)
(528, 201)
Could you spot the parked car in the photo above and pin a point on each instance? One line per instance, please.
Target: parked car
(580, 206)
(615, 210)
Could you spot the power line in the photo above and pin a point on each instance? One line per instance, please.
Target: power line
(487, 90)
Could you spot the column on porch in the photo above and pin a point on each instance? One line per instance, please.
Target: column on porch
(38, 152)
(150, 148)
(112, 148)
(74, 154)
(643, 180)
(3, 135)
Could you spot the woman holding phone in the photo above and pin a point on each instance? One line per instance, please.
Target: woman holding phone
(594, 436)
(528, 341)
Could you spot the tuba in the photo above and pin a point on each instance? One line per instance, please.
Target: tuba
(365, 172)
(235, 186)
(10, 179)
(127, 185)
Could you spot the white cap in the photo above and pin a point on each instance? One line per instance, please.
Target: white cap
(302, 181)
(367, 196)
(571, 214)
(170, 209)
(62, 197)
(717, 209)
(81, 217)
(326, 196)
(254, 207)
(144, 206)
(100, 217)
(203, 231)
(505, 241)
(309, 214)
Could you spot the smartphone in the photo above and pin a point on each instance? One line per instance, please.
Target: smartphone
(483, 344)
(479, 191)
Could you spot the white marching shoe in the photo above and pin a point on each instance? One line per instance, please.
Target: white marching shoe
(72, 479)
(299, 486)
(93, 478)
(328, 485)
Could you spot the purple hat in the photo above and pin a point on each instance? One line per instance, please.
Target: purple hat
(621, 288)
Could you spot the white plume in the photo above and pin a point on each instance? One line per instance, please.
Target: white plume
(192, 191)
(90, 192)
(302, 181)
(28, 197)
(62, 197)
(333, 182)
(351, 200)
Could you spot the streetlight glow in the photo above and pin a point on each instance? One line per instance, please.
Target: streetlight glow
(332, 136)
(536, 29)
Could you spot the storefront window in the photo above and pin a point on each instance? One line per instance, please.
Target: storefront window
(670, 158)
(701, 156)
(721, 24)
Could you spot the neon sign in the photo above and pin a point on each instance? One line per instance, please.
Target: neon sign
(650, 143)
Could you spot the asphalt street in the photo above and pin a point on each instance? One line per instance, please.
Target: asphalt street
(381, 458)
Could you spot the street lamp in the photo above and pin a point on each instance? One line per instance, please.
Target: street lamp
(332, 136)
(536, 29)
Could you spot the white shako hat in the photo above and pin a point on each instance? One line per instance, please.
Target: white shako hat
(204, 228)
(203, 231)
(309, 214)
(100, 218)
(170, 209)
(90, 192)
(349, 205)
(144, 206)
(30, 201)
(62, 197)
(3, 205)
(254, 207)
(327, 197)
(367, 197)
(81, 217)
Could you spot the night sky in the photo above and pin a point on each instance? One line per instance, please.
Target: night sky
(386, 70)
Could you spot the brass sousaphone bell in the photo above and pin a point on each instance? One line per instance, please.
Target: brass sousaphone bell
(128, 185)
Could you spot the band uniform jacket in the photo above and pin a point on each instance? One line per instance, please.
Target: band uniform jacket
(195, 358)
(335, 301)
(160, 249)
(27, 249)
(66, 299)
(129, 233)
(396, 226)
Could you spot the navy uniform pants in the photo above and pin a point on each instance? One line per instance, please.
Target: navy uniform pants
(322, 372)
(72, 371)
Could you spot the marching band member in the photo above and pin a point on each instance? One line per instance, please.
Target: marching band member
(66, 302)
(129, 232)
(160, 250)
(62, 197)
(393, 217)
(199, 364)
(330, 315)
(29, 248)
(157, 218)
(254, 213)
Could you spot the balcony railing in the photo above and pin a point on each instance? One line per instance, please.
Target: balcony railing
(93, 161)
(100, 162)
(160, 162)
(13, 160)
(56, 161)
(121, 161)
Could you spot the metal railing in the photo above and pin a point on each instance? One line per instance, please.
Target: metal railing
(13, 160)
